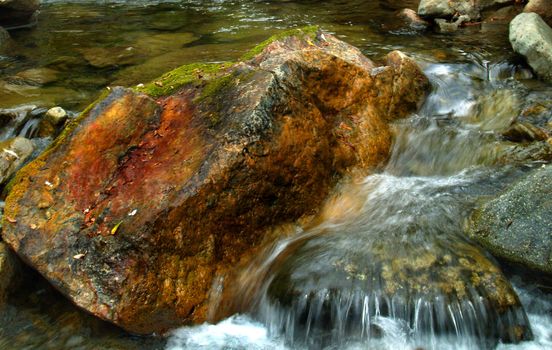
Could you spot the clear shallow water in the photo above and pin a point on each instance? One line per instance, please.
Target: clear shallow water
(446, 158)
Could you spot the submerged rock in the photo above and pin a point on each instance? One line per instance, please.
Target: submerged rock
(441, 287)
(9, 270)
(531, 37)
(450, 27)
(402, 259)
(152, 193)
(38, 76)
(517, 225)
(524, 132)
(15, 13)
(103, 57)
(4, 38)
(541, 7)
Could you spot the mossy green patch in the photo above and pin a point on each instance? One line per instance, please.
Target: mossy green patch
(196, 72)
(308, 31)
(175, 79)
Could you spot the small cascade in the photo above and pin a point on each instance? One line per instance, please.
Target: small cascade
(399, 264)
(30, 128)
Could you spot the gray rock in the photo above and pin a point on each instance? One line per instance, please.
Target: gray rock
(13, 154)
(541, 7)
(435, 8)
(56, 115)
(9, 267)
(531, 37)
(449, 8)
(517, 225)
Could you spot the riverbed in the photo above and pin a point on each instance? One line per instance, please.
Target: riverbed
(446, 158)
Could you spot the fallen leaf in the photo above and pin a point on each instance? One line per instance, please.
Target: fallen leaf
(79, 256)
(13, 221)
(116, 227)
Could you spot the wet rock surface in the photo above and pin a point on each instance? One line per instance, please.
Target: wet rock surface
(147, 198)
(531, 37)
(541, 7)
(517, 225)
(15, 13)
(9, 270)
(338, 280)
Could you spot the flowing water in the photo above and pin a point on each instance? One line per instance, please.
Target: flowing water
(447, 157)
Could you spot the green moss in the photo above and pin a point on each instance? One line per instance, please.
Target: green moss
(216, 85)
(173, 80)
(309, 31)
(195, 72)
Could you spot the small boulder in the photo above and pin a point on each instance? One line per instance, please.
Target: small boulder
(13, 154)
(16, 13)
(52, 121)
(9, 270)
(517, 225)
(411, 18)
(541, 7)
(531, 37)
(56, 116)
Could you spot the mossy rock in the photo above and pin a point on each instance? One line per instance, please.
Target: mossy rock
(154, 192)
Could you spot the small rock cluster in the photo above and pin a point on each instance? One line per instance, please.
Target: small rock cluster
(24, 132)
(530, 32)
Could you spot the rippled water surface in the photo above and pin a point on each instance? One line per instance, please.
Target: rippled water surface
(446, 158)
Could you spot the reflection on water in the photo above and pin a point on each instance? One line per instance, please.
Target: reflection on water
(445, 158)
(80, 47)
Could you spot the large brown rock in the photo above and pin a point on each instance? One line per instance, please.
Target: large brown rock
(148, 197)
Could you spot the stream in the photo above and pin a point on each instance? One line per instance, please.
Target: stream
(446, 158)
